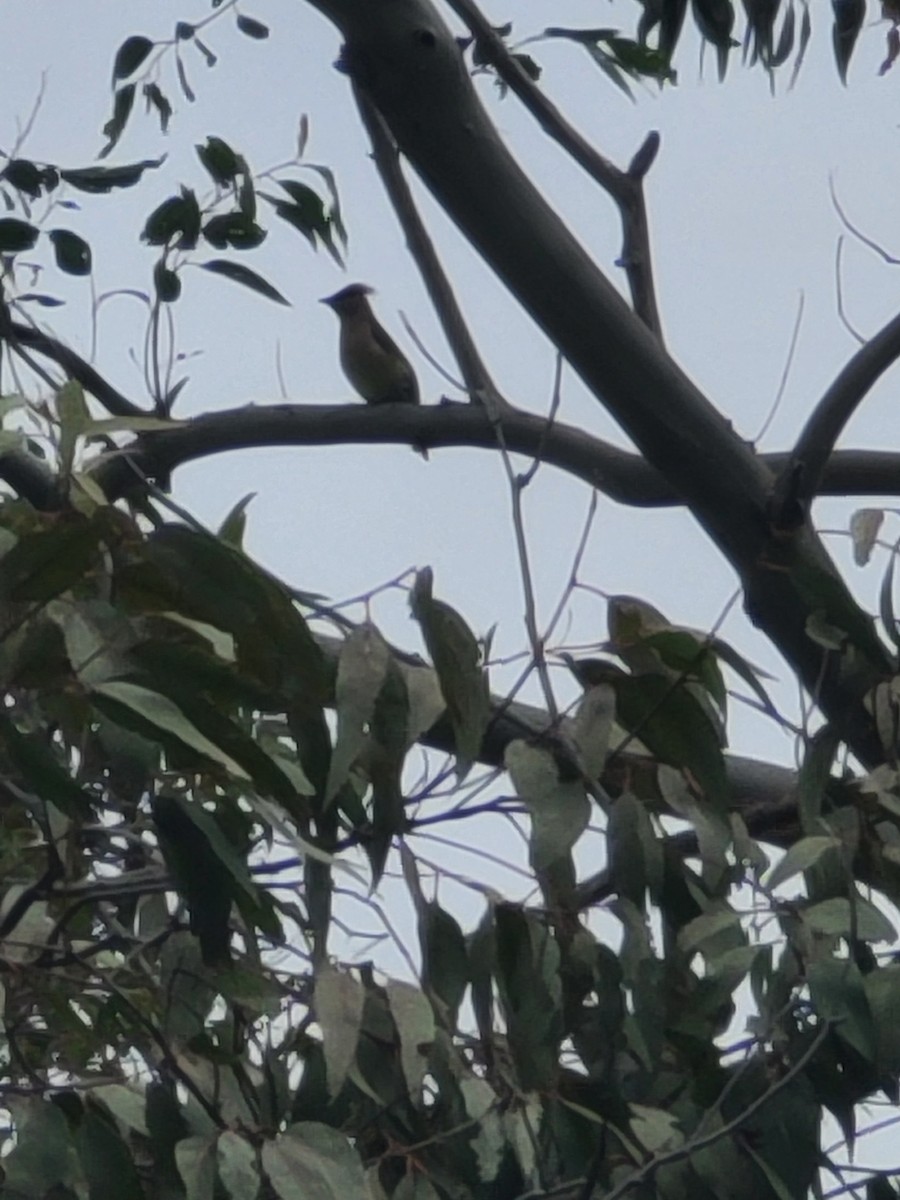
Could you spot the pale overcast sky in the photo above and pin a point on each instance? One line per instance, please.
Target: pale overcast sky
(741, 222)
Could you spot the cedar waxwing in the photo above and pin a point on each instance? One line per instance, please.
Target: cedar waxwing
(372, 361)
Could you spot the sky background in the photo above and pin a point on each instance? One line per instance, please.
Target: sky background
(742, 226)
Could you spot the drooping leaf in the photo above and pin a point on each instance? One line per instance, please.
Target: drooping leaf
(864, 526)
(157, 100)
(635, 852)
(815, 771)
(414, 1018)
(208, 869)
(849, 16)
(445, 964)
(40, 1158)
(339, 999)
(529, 986)
(196, 1159)
(183, 80)
(123, 103)
(362, 667)
(243, 275)
(675, 728)
(559, 811)
(158, 712)
(456, 656)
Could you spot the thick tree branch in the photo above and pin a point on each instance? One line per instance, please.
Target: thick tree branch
(620, 474)
(403, 55)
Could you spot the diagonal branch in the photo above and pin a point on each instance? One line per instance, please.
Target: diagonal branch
(387, 161)
(15, 334)
(408, 61)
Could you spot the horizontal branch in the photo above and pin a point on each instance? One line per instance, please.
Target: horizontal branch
(622, 475)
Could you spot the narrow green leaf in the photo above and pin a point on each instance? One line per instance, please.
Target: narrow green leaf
(40, 1157)
(243, 275)
(49, 561)
(123, 103)
(158, 711)
(559, 811)
(196, 1159)
(849, 16)
(157, 100)
(338, 1001)
(362, 667)
(800, 857)
(97, 180)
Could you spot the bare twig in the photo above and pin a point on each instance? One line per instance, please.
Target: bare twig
(779, 395)
(693, 1145)
(474, 372)
(625, 187)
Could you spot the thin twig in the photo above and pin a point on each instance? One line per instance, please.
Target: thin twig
(387, 160)
(693, 1145)
(625, 187)
(779, 395)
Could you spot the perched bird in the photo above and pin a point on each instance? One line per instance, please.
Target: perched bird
(371, 359)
